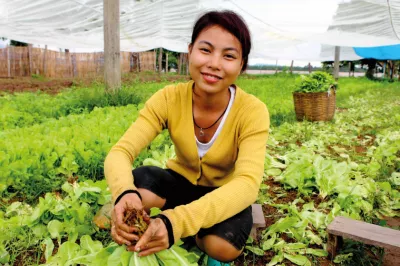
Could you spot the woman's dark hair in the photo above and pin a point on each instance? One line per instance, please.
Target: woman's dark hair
(231, 22)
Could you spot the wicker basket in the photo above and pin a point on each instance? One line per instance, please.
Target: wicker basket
(317, 106)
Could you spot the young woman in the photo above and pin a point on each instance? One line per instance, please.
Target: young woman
(220, 134)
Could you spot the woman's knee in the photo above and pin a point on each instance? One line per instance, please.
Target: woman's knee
(218, 248)
(150, 199)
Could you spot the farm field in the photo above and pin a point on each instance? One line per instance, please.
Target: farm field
(53, 145)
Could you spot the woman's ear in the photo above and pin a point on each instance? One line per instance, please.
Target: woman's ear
(241, 66)
(190, 47)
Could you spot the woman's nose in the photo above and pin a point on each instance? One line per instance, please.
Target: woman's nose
(214, 61)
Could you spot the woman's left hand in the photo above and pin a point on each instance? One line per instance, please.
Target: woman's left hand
(153, 240)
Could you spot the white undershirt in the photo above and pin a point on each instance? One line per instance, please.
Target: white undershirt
(202, 148)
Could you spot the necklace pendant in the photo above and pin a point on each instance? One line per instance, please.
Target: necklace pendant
(201, 132)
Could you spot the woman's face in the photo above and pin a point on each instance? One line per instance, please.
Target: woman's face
(215, 60)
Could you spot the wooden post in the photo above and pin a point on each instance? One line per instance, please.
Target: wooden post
(384, 69)
(74, 69)
(138, 62)
(391, 65)
(349, 68)
(187, 64)
(68, 60)
(166, 62)
(155, 61)
(160, 55)
(8, 62)
(30, 59)
(336, 65)
(21, 69)
(44, 61)
(180, 64)
(112, 66)
(291, 67)
(309, 67)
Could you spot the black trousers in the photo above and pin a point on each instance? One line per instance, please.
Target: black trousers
(177, 190)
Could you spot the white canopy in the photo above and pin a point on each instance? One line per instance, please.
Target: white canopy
(281, 29)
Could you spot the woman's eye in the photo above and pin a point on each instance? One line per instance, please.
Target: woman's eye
(205, 50)
(230, 56)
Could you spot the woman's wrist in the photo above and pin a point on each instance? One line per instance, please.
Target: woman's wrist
(127, 192)
(168, 225)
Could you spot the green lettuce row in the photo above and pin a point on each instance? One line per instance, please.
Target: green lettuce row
(92, 253)
(26, 109)
(60, 216)
(66, 220)
(40, 158)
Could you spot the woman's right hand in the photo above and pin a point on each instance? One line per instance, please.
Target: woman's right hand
(120, 231)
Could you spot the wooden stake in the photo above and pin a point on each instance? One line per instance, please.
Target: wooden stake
(74, 69)
(68, 59)
(30, 59)
(391, 64)
(8, 62)
(180, 64)
(138, 61)
(44, 60)
(21, 69)
(160, 55)
(187, 64)
(309, 67)
(155, 61)
(336, 65)
(166, 62)
(112, 65)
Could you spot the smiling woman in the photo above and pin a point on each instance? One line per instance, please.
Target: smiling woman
(220, 134)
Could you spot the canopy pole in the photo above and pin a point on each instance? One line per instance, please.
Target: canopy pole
(349, 68)
(336, 65)
(291, 67)
(112, 67)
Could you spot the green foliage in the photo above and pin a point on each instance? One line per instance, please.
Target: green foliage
(25, 109)
(50, 139)
(315, 82)
(50, 153)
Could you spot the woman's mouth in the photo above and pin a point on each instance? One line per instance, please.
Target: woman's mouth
(210, 78)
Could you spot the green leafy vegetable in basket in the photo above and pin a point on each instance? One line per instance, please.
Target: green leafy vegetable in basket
(315, 82)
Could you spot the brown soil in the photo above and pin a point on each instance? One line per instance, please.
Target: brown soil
(271, 215)
(393, 222)
(54, 86)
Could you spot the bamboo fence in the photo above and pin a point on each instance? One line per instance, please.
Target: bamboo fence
(28, 61)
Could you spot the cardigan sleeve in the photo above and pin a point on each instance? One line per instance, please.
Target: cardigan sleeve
(151, 121)
(236, 195)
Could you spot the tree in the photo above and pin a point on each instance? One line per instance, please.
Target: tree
(17, 43)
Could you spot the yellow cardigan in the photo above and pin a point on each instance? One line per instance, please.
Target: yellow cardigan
(234, 163)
